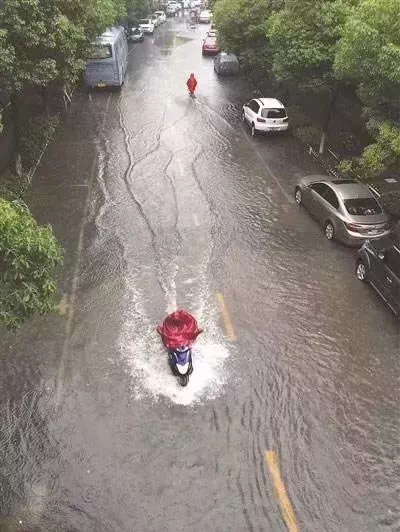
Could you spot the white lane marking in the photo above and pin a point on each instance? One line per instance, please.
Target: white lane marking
(181, 169)
(72, 299)
(90, 96)
(196, 220)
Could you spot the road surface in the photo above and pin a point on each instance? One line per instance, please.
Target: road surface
(291, 418)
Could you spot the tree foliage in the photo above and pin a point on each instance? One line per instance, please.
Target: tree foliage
(368, 54)
(137, 9)
(242, 28)
(303, 37)
(44, 41)
(29, 255)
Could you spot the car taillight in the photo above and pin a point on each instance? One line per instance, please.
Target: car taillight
(261, 120)
(355, 227)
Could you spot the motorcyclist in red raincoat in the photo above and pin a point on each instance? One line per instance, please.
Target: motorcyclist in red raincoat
(191, 84)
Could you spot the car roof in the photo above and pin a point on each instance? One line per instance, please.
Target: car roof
(351, 190)
(270, 103)
(226, 56)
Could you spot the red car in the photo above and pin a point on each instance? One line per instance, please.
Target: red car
(210, 46)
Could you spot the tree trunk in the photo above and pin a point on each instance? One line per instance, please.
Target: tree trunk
(45, 100)
(17, 167)
(333, 95)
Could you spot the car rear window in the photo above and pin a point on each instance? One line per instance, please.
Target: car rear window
(101, 51)
(273, 113)
(362, 206)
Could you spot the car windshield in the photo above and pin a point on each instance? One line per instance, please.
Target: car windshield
(273, 113)
(136, 30)
(144, 21)
(101, 51)
(362, 206)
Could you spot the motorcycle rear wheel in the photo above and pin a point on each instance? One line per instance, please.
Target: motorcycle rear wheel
(184, 379)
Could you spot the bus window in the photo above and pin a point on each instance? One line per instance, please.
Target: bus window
(101, 51)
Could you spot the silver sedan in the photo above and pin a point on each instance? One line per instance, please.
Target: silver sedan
(347, 210)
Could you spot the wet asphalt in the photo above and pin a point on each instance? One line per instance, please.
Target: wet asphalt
(162, 201)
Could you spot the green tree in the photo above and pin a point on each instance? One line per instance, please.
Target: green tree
(29, 256)
(45, 42)
(137, 9)
(303, 38)
(242, 30)
(369, 54)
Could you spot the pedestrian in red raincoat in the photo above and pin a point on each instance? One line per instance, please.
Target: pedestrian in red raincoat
(191, 84)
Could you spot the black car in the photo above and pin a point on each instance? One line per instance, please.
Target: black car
(378, 264)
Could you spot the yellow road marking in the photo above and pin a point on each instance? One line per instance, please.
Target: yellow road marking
(230, 331)
(286, 506)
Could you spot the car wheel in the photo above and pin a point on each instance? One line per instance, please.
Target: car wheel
(243, 117)
(361, 271)
(253, 130)
(329, 231)
(298, 196)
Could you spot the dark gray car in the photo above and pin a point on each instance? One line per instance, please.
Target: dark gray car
(346, 209)
(378, 263)
(226, 64)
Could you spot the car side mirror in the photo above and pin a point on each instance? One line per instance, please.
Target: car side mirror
(381, 255)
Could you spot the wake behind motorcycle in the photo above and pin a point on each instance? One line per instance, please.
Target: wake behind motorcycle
(178, 333)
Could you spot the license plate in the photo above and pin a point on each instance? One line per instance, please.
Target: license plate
(101, 85)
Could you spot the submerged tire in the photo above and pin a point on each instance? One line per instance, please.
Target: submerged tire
(361, 271)
(184, 379)
(298, 196)
(329, 231)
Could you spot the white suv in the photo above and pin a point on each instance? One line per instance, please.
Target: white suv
(265, 114)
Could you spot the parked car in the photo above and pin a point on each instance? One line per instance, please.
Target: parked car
(136, 34)
(378, 263)
(146, 25)
(161, 16)
(210, 46)
(171, 10)
(205, 17)
(226, 64)
(346, 209)
(212, 33)
(265, 115)
(155, 20)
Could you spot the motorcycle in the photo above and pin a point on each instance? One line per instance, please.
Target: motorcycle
(178, 333)
(180, 362)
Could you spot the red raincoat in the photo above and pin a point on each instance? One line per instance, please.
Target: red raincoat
(179, 329)
(191, 83)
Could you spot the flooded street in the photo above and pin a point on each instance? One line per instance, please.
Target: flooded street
(163, 201)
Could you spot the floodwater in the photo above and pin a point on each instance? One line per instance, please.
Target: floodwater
(162, 201)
